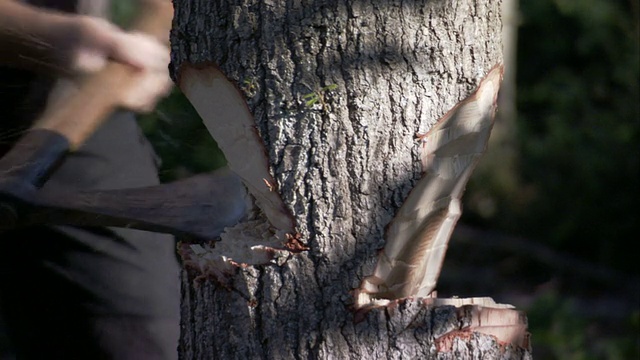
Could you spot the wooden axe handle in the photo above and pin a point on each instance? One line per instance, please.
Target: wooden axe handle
(98, 94)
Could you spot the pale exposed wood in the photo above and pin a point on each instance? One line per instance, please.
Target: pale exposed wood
(417, 238)
(226, 116)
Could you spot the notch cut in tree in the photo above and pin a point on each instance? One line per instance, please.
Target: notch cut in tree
(416, 240)
(225, 114)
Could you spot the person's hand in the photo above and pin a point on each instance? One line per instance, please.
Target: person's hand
(86, 44)
(68, 45)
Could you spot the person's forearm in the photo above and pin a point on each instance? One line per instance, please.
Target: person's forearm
(26, 35)
(64, 45)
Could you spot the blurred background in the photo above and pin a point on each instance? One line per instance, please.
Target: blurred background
(551, 220)
(551, 213)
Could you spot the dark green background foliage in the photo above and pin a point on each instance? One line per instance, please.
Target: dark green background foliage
(578, 103)
(571, 186)
(181, 140)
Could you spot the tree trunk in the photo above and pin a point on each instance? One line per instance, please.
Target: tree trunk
(343, 165)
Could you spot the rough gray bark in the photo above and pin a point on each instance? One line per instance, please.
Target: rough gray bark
(343, 165)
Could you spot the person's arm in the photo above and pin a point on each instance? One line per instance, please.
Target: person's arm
(45, 40)
(69, 44)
